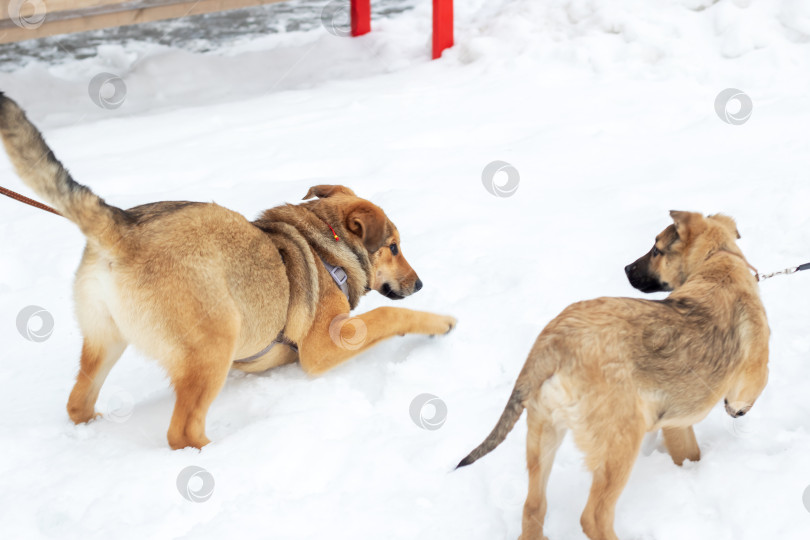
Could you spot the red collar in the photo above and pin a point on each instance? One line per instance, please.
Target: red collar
(337, 238)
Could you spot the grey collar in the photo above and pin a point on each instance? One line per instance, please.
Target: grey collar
(281, 338)
(339, 275)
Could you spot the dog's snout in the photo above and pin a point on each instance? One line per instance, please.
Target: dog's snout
(418, 285)
(629, 268)
(735, 413)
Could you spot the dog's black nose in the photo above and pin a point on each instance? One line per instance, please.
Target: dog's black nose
(418, 285)
(629, 268)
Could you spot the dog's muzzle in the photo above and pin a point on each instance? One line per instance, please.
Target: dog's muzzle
(735, 414)
(389, 292)
(642, 280)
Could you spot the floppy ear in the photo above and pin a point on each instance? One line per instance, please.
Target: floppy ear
(326, 190)
(369, 223)
(727, 222)
(687, 223)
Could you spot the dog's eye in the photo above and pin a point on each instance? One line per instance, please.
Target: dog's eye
(394, 249)
(656, 252)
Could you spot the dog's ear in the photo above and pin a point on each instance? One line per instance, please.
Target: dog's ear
(727, 222)
(325, 190)
(687, 224)
(369, 223)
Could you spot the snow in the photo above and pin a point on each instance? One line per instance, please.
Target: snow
(606, 110)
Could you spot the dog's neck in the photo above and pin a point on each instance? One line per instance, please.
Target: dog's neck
(715, 270)
(319, 232)
(741, 256)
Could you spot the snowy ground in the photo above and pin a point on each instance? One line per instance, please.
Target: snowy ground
(606, 109)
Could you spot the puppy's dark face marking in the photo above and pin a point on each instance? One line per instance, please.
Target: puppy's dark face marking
(659, 269)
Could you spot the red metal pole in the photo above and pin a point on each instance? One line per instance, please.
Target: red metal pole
(442, 26)
(361, 17)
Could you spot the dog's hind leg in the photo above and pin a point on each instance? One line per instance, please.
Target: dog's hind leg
(198, 374)
(98, 357)
(681, 444)
(196, 387)
(103, 346)
(613, 457)
(542, 442)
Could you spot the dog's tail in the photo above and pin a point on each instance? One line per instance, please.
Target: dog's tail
(514, 408)
(539, 367)
(36, 164)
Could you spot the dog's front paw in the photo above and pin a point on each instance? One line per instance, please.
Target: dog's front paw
(441, 324)
(82, 416)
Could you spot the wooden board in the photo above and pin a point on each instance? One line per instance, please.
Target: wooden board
(98, 14)
(52, 6)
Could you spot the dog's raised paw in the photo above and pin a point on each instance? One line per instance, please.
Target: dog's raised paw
(83, 417)
(443, 324)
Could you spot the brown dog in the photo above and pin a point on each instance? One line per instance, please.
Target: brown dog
(612, 369)
(202, 289)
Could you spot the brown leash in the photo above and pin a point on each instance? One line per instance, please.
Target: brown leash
(23, 199)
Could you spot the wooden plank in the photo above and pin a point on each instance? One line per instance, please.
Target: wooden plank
(53, 6)
(27, 8)
(117, 14)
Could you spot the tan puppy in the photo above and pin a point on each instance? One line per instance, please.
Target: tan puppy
(612, 369)
(202, 289)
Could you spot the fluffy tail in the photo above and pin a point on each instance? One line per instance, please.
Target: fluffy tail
(514, 408)
(42, 172)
